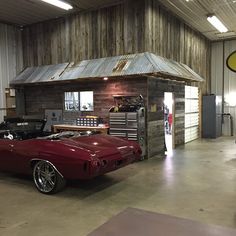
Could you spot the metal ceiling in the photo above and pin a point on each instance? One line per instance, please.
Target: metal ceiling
(194, 13)
(142, 64)
(26, 12)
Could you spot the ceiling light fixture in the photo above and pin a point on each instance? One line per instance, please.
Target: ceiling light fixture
(59, 4)
(217, 23)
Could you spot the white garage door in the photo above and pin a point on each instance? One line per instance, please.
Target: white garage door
(191, 113)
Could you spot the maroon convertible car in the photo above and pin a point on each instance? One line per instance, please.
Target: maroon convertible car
(52, 159)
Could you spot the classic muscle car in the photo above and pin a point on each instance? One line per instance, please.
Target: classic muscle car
(54, 158)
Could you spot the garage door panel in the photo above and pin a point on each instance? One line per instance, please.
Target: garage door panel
(191, 120)
(191, 134)
(191, 92)
(191, 105)
(191, 113)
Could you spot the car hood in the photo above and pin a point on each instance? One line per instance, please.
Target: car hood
(101, 145)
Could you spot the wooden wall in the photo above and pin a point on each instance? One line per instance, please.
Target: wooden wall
(169, 37)
(11, 61)
(132, 27)
(39, 98)
(105, 32)
(155, 125)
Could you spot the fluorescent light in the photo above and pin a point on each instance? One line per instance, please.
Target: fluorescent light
(59, 3)
(217, 23)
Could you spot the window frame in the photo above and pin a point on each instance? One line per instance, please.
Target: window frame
(78, 100)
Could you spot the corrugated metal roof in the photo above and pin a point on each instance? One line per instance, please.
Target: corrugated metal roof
(128, 65)
(146, 64)
(39, 74)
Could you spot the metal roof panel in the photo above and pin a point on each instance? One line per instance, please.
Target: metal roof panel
(127, 65)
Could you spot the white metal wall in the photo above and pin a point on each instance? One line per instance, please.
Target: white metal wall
(191, 113)
(220, 51)
(11, 60)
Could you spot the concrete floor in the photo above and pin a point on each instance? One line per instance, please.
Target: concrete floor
(198, 182)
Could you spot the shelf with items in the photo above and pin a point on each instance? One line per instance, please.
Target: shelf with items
(10, 102)
(65, 127)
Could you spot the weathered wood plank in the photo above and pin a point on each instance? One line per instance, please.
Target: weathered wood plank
(156, 90)
(52, 97)
(131, 27)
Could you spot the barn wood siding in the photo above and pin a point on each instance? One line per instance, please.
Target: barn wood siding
(131, 27)
(155, 120)
(39, 98)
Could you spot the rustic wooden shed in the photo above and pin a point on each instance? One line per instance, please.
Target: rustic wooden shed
(42, 87)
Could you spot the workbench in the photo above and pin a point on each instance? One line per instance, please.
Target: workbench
(63, 127)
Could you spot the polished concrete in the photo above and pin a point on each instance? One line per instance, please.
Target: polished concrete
(137, 222)
(198, 181)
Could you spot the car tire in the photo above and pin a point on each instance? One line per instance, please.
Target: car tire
(47, 179)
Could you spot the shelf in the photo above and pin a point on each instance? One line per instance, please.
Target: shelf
(63, 127)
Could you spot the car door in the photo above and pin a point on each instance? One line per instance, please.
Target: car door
(8, 159)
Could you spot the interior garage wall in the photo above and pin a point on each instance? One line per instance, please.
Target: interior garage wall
(220, 73)
(11, 59)
(100, 33)
(132, 27)
(169, 37)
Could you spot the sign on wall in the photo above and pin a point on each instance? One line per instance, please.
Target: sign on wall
(231, 61)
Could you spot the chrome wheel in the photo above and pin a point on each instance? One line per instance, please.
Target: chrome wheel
(45, 177)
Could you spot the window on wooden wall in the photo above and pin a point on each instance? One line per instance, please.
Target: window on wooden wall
(86, 101)
(72, 101)
(78, 101)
